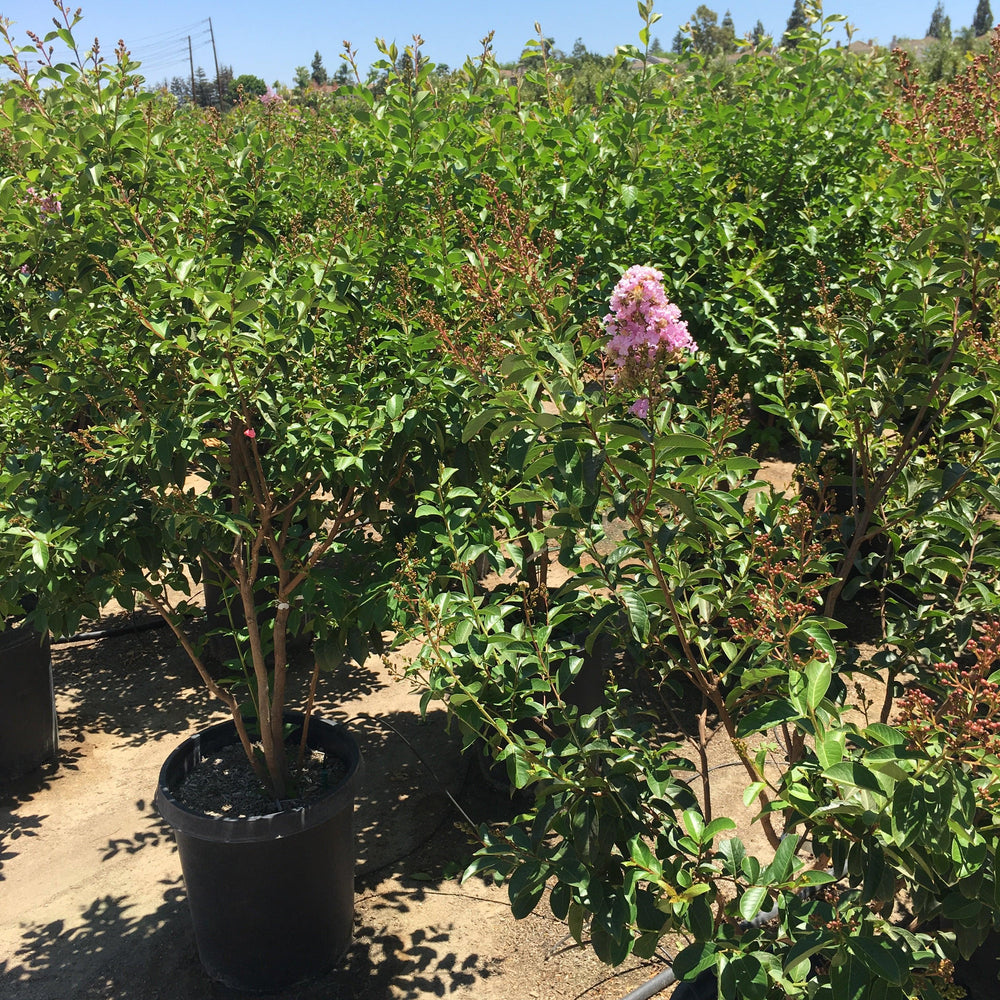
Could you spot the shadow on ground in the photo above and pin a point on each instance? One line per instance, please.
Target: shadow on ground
(114, 954)
(93, 900)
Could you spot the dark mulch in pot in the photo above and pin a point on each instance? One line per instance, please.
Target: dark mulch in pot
(226, 785)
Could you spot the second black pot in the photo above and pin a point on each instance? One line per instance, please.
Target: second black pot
(28, 734)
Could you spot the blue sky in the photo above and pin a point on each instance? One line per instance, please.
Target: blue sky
(271, 38)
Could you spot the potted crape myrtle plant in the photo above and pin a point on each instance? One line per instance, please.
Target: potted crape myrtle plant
(205, 386)
(875, 872)
(878, 874)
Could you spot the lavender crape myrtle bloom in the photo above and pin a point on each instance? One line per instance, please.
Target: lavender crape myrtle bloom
(644, 323)
(642, 317)
(49, 207)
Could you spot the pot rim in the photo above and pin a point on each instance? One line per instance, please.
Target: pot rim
(327, 735)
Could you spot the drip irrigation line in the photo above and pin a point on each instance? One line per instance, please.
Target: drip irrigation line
(365, 717)
(657, 984)
(106, 633)
(705, 986)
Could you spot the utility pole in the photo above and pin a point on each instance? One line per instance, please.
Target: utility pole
(218, 78)
(191, 60)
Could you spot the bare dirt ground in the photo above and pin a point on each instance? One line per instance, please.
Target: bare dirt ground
(92, 902)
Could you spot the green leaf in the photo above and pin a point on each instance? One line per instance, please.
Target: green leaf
(638, 614)
(767, 716)
(881, 955)
(733, 853)
(805, 946)
(850, 980)
(525, 890)
(39, 553)
(852, 773)
(694, 823)
(885, 735)
(694, 959)
(819, 674)
(830, 748)
(780, 869)
(821, 637)
(956, 907)
(477, 423)
(575, 921)
(716, 827)
(751, 901)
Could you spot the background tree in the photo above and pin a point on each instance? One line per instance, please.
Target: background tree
(302, 78)
(942, 58)
(938, 18)
(180, 87)
(727, 35)
(223, 85)
(982, 23)
(655, 48)
(247, 85)
(319, 76)
(797, 20)
(706, 33)
(204, 90)
(405, 67)
(758, 34)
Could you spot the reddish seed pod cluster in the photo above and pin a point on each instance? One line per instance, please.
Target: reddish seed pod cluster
(962, 715)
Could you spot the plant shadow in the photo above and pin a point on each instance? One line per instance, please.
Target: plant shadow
(17, 826)
(113, 952)
(126, 943)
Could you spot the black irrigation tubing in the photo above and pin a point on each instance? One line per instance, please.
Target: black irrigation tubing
(365, 717)
(106, 633)
(705, 986)
(657, 984)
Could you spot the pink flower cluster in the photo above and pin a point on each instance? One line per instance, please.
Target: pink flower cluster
(270, 96)
(642, 319)
(46, 204)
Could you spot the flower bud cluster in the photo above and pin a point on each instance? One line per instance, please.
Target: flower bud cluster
(48, 206)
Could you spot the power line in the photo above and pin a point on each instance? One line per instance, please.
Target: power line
(172, 53)
(182, 31)
(175, 40)
(150, 54)
(177, 46)
(164, 52)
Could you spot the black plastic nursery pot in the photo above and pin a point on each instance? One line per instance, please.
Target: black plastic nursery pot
(586, 690)
(271, 897)
(28, 725)
(980, 974)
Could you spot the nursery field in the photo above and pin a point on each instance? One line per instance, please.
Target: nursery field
(494, 373)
